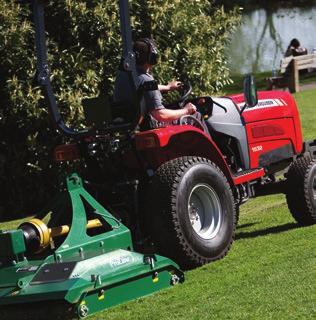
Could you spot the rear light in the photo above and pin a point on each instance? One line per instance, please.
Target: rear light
(66, 152)
(147, 141)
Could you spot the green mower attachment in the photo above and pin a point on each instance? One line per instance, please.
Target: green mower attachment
(86, 267)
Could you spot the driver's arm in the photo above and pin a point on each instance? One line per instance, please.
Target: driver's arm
(173, 85)
(163, 114)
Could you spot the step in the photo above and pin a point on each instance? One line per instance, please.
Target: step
(248, 175)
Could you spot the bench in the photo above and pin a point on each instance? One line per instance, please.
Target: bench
(290, 68)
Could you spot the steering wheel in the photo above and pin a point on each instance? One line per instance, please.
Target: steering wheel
(193, 121)
(185, 91)
(203, 104)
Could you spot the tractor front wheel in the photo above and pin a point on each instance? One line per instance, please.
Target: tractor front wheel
(301, 190)
(191, 211)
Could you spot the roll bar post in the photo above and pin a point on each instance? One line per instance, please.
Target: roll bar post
(128, 56)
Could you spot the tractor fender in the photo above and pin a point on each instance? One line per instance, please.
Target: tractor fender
(164, 144)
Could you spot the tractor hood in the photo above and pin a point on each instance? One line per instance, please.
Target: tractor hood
(272, 105)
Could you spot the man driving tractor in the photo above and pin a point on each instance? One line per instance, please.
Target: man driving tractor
(146, 57)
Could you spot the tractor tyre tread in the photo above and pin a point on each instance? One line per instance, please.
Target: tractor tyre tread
(164, 184)
(297, 195)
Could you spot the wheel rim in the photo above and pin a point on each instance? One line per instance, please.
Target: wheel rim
(205, 211)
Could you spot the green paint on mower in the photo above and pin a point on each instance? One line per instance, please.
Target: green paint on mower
(86, 272)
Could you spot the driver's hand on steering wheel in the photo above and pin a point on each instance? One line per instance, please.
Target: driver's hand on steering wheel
(190, 107)
(175, 85)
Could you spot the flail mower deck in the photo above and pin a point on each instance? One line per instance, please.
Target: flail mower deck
(93, 268)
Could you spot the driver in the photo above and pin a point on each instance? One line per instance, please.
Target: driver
(146, 57)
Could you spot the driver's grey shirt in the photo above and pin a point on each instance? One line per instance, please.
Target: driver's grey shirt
(123, 91)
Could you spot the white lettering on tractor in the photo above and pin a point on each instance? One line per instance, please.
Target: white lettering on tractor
(257, 148)
(265, 103)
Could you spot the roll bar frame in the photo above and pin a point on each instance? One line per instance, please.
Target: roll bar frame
(128, 64)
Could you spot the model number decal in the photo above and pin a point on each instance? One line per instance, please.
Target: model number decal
(257, 148)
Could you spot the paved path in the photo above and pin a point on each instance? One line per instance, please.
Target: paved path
(308, 86)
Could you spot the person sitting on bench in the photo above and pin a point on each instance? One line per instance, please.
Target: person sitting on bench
(295, 49)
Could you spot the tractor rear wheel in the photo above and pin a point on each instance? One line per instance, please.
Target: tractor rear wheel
(301, 190)
(191, 211)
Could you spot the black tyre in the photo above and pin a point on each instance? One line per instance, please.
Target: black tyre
(301, 190)
(191, 211)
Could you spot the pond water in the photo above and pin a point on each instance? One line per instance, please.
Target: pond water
(261, 40)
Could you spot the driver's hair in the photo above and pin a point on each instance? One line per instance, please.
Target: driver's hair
(141, 50)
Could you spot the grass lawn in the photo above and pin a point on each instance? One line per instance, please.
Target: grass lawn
(237, 85)
(270, 272)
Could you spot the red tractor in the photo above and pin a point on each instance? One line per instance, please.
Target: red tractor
(179, 188)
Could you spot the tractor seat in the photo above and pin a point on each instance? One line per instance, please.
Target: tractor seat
(101, 112)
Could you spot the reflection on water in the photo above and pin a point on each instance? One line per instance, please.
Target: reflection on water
(260, 42)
